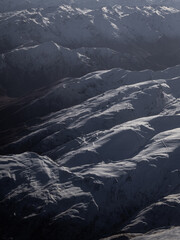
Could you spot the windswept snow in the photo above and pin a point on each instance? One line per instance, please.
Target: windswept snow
(41, 45)
(90, 119)
(116, 143)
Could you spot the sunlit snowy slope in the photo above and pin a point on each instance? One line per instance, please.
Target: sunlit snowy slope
(39, 45)
(90, 120)
(112, 153)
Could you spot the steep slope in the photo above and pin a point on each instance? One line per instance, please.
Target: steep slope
(73, 27)
(10, 5)
(90, 119)
(28, 68)
(42, 45)
(123, 131)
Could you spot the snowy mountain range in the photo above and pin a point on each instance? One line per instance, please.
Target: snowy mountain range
(11, 5)
(41, 45)
(90, 119)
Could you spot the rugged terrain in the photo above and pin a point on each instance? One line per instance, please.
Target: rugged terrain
(90, 119)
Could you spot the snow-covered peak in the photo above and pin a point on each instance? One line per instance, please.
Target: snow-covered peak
(11, 5)
(74, 27)
(90, 119)
(130, 37)
(116, 143)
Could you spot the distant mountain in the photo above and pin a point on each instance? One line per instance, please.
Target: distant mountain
(43, 45)
(11, 5)
(90, 119)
